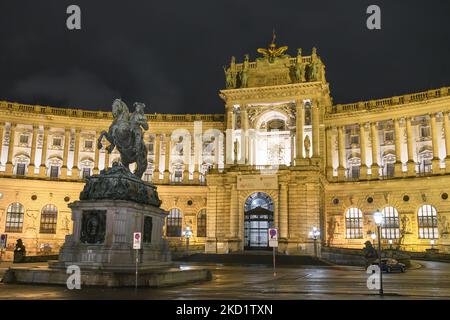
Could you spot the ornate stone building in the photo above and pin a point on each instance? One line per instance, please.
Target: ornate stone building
(281, 155)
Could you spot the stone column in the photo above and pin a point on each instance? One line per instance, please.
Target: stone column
(228, 156)
(234, 212)
(32, 165)
(9, 164)
(157, 153)
(375, 173)
(75, 169)
(410, 164)
(329, 157)
(315, 129)
(341, 151)
(43, 166)
(300, 116)
(96, 158)
(363, 146)
(283, 211)
(106, 158)
(447, 141)
(66, 153)
(244, 133)
(398, 167)
(167, 158)
(198, 149)
(434, 136)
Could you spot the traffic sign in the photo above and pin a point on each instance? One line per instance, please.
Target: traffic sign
(273, 237)
(137, 237)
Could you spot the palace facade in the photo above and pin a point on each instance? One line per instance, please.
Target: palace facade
(282, 155)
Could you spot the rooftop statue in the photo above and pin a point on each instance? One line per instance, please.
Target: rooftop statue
(125, 134)
(272, 52)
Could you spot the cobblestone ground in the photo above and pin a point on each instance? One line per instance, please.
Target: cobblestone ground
(431, 281)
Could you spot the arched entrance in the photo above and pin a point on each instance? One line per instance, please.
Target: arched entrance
(258, 218)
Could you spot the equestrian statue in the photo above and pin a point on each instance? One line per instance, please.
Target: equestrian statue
(126, 134)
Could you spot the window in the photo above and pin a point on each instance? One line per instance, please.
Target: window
(355, 172)
(14, 218)
(20, 171)
(174, 221)
(391, 226)
(354, 140)
(151, 148)
(57, 142)
(428, 227)
(49, 216)
(54, 171)
(201, 223)
(177, 175)
(425, 132)
(353, 223)
(86, 172)
(389, 170)
(23, 139)
(148, 176)
(388, 137)
(307, 115)
(88, 144)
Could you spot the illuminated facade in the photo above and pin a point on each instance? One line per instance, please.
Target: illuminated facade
(281, 155)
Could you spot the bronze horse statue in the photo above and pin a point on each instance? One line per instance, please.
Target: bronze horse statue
(125, 134)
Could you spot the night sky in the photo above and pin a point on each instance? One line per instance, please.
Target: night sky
(169, 54)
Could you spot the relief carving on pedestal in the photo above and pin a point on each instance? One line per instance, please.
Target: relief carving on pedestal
(93, 226)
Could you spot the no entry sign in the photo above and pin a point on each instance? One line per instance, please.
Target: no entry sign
(137, 240)
(273, 237)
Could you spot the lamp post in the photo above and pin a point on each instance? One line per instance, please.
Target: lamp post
(187, 233)
(378, 217)
(373, 235)
(314, 234)
(432, 244)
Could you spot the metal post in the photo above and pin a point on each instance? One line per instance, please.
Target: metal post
(187, 246)
(274, 270)
(315, 247)
(136, 283)
(379, 260)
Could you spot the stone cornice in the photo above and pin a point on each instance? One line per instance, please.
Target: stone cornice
(290, 91)
(18, 109)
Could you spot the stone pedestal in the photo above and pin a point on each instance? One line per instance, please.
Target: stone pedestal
(103, 236)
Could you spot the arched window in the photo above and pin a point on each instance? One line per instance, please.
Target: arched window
(201, 223)
(49, 217)
(391, 225)
(428, 224)
(174, 221)
(14, 218)
(353, 223)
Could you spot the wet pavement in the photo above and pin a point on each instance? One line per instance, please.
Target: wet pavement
(430, 281)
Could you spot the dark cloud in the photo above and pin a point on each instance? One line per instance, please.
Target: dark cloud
(170, 54)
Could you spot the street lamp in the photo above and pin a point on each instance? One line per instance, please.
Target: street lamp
(373, 235)
(314, 234)
(378, 217)
(390, 244)
(432, 244)
(187, 233)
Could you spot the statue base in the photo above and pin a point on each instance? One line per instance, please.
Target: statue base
(102, 247)
(103, 236)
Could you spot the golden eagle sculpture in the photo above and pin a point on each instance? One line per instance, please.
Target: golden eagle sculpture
(272, 52)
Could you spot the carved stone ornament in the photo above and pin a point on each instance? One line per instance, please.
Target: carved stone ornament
(93, 226)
